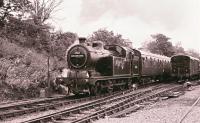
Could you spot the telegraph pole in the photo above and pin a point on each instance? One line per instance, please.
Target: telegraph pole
(49, 88)
(48, 72)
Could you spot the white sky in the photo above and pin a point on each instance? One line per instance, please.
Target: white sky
(134, 19)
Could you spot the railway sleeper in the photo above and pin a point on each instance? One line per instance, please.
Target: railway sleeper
(128, 105)
(100, 109)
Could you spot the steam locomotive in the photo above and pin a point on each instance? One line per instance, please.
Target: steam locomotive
(97, 68)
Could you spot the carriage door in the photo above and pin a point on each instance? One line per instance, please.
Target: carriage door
(135, 65)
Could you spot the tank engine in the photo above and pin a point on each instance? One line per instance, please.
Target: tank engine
(96, 68)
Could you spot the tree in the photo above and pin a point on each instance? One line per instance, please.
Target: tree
(1, 3)
(42, 10)
(160, 45)
(60, 42)
(38, 10)
(108, 37)
(10, 8)
(193, 53)
(178, 49)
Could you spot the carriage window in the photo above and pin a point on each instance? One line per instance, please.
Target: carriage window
(143, 60)
(136, 58)
(151, 61)
(129, 55)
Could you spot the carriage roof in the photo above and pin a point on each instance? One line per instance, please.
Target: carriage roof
(156, 56)
(190, 57)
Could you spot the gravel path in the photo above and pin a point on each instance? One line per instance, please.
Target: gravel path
(165, 111)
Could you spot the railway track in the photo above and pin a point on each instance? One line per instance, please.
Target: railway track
(26, 107)
(190, 110)
(11, 104)
(9, 109)
(104, 106)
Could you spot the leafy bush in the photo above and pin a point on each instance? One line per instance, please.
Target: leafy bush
(22, 69)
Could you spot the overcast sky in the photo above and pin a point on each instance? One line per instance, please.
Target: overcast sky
(134, 19)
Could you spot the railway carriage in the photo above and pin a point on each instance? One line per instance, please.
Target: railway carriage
(155, 67)
(97, 68)
(185, 67)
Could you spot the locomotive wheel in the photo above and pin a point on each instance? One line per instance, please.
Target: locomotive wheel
(94, 90)
(110, 90)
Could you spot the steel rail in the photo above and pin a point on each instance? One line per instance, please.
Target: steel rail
(90, 105)
(30, 102)
(121, 106)
(35, 106)
(186, 114)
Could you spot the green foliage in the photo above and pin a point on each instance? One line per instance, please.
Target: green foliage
(108, 37)
(21, 70)
(60, 42)
(193, 53)
(38, 10)
(178, 49)
(41, 10)
(23, 64)
(160, 45)
(24, 48)
(27, 34)
(1, 3)
(11, 8)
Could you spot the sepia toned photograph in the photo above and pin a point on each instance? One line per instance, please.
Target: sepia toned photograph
(99, 61)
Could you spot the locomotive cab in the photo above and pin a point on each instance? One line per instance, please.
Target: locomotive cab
(116, 50)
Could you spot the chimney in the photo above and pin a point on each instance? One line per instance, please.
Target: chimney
(82, 40)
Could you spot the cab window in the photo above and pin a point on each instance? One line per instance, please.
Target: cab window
(116, 50)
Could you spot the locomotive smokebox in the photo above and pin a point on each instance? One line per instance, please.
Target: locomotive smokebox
(86, 55)
(78, 56)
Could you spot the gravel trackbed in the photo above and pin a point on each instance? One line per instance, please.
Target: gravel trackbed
(165, 111)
